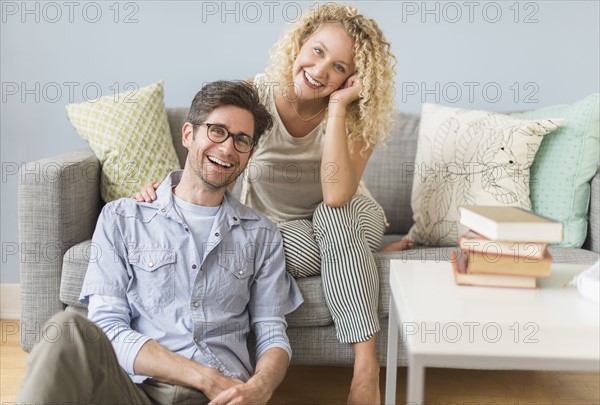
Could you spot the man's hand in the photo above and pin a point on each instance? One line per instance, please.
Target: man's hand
(217, 384)
(270, 370)
(163, 365)
(251, 392)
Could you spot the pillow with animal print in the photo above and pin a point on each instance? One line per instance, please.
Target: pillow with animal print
(469, 157)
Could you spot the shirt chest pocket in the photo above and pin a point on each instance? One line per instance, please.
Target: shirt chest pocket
(153, 282)
(234, 284)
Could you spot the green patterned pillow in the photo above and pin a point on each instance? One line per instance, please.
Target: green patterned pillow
(130, 135)
(564, 165)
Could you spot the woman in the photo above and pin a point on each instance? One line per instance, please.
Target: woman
(329, 86)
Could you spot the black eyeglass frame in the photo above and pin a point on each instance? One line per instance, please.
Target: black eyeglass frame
(229, 135)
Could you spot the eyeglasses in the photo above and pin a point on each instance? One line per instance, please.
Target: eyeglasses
(217, 134)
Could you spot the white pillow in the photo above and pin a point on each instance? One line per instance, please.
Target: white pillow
(469, 157)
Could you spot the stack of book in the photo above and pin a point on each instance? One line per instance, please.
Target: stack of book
(505, 247)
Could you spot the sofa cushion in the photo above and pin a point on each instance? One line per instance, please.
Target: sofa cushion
(177, 117)
(572, 256)
(469, 157)
(314, 310)
(564, 166)
(391, 188)
(593, 235)
(130, 135)
(389, 173)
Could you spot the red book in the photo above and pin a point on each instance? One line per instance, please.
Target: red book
(462, 276)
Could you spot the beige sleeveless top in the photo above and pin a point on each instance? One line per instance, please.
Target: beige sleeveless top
(283, 178)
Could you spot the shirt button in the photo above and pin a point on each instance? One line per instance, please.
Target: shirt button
(235, 218)
(241, 272)
(217, 234)
(193, 266)
(186, 228)
(196, 339)
(151, 264)
(164, 210)
(196, 305)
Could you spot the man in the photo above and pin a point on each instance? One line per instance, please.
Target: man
(180, 283)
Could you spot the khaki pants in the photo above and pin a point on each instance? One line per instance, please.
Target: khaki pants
(75, 363)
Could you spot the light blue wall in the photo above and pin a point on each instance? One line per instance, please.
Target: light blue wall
(547, 53)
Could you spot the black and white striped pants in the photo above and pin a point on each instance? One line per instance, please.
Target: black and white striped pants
(339, 244)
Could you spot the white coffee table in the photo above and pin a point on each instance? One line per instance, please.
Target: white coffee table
(445, 325)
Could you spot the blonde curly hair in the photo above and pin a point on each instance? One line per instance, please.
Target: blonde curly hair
(369, 119)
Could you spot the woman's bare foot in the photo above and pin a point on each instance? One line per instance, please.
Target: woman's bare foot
(400, 245)
(364, 389)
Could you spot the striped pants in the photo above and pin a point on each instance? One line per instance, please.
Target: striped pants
(339, 244)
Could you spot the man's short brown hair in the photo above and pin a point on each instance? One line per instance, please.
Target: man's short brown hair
(237, 93)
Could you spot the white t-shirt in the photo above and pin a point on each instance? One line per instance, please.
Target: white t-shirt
(199, 220)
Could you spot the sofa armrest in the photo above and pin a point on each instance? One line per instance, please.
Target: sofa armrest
(58, 206)
(593, 237)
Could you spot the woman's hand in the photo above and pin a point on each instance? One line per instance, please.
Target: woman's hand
(147, 193)
(347, 94)
(348, 165)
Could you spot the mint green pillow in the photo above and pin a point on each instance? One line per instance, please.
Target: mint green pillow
(564, 165)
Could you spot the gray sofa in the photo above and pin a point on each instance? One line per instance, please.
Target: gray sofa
(59, 206)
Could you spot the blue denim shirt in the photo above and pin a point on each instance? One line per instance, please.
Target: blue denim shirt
(155, 285)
